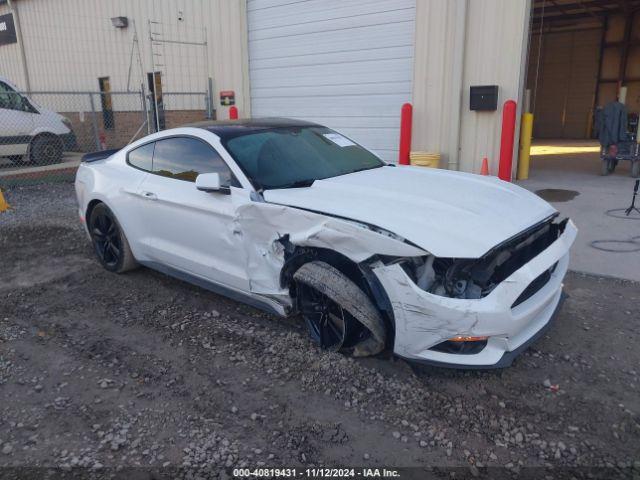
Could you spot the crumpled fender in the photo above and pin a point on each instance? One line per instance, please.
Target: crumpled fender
(260, 226)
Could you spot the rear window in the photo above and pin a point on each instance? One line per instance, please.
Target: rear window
(141, 157)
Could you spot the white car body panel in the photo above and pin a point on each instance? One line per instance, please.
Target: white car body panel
(236, 242)
(449, 214)
(423, 319)
(263, 224)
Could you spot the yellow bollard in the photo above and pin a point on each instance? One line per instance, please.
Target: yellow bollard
(3, 203)
(526, 131)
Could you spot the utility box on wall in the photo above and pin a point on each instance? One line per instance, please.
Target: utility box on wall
(484, 98)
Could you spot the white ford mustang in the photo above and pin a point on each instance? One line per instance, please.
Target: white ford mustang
(444, 267)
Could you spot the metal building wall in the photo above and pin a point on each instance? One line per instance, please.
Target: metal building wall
(70, 43)
(460, 43)
(10, 62)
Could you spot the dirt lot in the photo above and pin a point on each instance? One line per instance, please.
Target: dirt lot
(140, 370)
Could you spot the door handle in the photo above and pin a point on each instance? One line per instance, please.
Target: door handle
(149, 195)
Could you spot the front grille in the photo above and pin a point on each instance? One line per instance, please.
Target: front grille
(535, 286)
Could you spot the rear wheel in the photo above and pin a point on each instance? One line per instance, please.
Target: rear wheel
(45, 150)
(635, 168)
(109, 241)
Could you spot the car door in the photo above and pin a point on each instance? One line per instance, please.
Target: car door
(188, 229)
(16, 122)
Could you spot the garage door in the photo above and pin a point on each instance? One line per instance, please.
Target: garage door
(347, 65)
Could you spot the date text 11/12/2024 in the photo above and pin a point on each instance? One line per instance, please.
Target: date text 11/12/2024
(314, 473)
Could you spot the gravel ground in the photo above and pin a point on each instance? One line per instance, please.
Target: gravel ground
(108, 372)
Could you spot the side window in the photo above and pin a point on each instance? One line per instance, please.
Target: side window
(185, 158)
(141, 157)
(12, 100)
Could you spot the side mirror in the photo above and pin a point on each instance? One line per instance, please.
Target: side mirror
(210, 182)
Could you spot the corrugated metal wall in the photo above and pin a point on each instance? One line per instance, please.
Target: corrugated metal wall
(70, 43)
(494, 53)
(487, 47)
(437, 79)
(10, 60)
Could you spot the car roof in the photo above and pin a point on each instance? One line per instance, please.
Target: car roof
(226, 129)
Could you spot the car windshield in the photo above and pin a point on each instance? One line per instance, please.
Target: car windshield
(289, 157)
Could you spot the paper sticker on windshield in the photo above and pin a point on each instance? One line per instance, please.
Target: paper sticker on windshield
(338, 139)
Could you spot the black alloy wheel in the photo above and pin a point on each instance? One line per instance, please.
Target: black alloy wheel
(330, 326)
(106, 238)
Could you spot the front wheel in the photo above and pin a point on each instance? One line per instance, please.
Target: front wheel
(46, 150)
(109, 241)
(338, 314)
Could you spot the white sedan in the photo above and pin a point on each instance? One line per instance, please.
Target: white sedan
(443, 267)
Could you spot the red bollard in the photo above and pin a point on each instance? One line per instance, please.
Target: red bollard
(233, 112)
(405, 134)
(506, 142)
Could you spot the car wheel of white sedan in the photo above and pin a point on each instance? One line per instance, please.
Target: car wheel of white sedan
(109, 241)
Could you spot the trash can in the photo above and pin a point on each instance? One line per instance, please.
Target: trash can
(425, 159)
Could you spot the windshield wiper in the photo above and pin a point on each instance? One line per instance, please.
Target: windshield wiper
(297, 184)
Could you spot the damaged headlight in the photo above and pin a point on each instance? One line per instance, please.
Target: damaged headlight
(446, 277)
(476, 278)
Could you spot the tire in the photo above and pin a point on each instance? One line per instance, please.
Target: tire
(109, 241)
(608, 166)
(338, 314)
(635, 168)
(45, 150)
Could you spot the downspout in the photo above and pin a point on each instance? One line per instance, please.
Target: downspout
(25, 69)
(244, 58)
(457, 72)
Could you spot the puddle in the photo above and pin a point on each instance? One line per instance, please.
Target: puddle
(557, 195)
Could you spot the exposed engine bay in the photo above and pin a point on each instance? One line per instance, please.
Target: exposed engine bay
(476, 278)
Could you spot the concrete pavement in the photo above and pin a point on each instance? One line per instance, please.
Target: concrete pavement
(575, 167)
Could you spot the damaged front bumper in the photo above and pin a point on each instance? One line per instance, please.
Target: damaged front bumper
(424, 320)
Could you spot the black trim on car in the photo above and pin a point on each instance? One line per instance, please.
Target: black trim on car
(535, 286)
(213, 287)
(15, 139)
(100, 155)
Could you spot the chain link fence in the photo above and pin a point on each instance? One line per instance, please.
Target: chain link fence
(43, 135)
